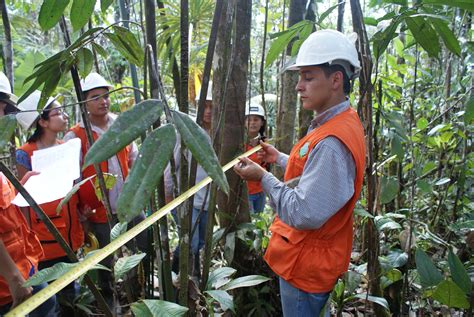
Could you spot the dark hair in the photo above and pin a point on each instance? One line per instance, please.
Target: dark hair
(331, 69)
(39, 129)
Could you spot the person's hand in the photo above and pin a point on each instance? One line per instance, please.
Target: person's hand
(249, 170)
(268, 153)
(18, 292)
(27, 176)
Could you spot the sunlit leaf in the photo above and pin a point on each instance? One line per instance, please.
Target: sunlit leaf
(125, 264)
(219, 274)
(140, 184)
(245, 281)
(109, 181)
(449, 294)
(50, 13)
(378, 300)
(117, 230)
(397, 258)
(197, 141)
(442, 181)
(126, 128)
(56, 271)
(225, 300)
(73, 190)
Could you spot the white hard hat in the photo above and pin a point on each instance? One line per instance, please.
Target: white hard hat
(6, 89)
(254, 109)
(94, 80)
(329, 46)
(30, 104)
(209, 93)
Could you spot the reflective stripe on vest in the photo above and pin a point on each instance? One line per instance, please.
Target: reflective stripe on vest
(312, 260)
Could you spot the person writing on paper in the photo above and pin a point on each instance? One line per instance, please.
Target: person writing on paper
(311, 240)
(20, 249)
(47, 125)
(96, 92)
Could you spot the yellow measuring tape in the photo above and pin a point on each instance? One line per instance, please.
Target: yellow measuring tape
(43, 295)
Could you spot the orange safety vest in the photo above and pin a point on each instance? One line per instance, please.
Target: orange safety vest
(87, 191)
(312, 260)
(21, 243)
(67, 221)
(254, 187)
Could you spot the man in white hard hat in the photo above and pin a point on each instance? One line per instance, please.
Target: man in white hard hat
(20, 249)
(96, 92)
(311, 239)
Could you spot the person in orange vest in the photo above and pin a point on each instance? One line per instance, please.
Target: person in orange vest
(96, 91)
(255, 123)
(20, 249)
(52, 121)
(311, 242)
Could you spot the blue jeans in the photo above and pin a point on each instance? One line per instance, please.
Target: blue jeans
(257, 202)
(296, 302)
(199, 237)
(47, 309)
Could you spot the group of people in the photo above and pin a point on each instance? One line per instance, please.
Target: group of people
(311, 238)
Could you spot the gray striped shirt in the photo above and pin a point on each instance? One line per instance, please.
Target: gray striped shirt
(326, 185)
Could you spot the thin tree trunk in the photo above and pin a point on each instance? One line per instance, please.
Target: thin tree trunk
(340, 16)
(286, 115)
(365, 106)
(262, 63)
(234, 207)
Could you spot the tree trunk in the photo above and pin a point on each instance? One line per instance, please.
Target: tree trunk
(365, 107)
(7, 45)
(286, 115)
(230, 94)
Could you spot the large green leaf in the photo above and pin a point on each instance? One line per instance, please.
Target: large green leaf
(424, 34)
(127, 44)
(56, 271)
(140, 184)
(157, 308)
(447, 35)
(245, 281)
(196, 140)
(463, 4)
(50, 13)
(397, 258)
(382, 38)
(81, 12)
(8, 124)
(379, 300)
(225, 300)
(429, 274)
(449, 294)
(85, 60)
(217, 275)
(459, 273)
(99, 49)
(125, 264)
(126, 128)
(389, 189)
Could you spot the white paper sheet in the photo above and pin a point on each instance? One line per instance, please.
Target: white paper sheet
(59, 166)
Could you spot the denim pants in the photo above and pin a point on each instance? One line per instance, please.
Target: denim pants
(257, 202)
(199, 237)
(296, 302)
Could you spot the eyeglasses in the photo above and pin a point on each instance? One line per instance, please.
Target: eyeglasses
(57, 112)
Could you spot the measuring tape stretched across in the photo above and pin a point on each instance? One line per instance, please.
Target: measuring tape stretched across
(82, 268)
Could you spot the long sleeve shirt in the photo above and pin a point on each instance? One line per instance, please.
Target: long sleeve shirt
(112, 163)
(326, 185)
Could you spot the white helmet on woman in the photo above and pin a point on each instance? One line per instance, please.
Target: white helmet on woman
(254, 109)
(30, 104)
(8, 97)
(329, 46)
